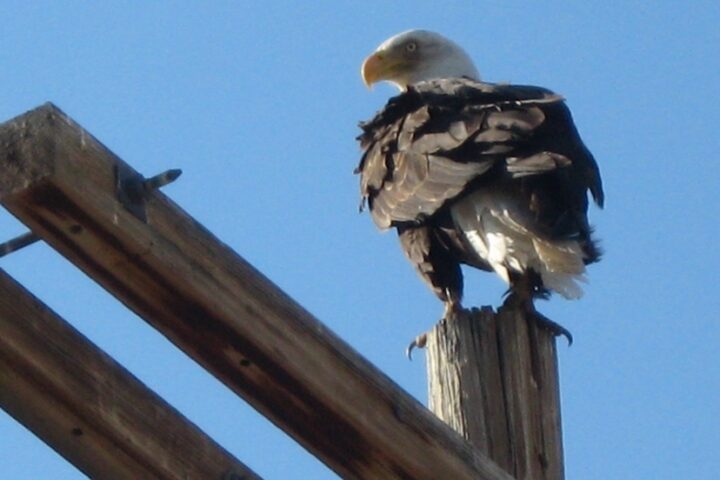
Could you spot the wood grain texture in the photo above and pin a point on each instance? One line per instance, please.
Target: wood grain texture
(222, 312)
(89, 408)
(493, 377)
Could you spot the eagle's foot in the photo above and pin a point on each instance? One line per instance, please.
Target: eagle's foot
(554, 327)
(452, 308)
(526, 302)
(418, 342)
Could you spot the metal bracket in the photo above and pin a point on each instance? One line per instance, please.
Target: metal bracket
(132, 189)
(128, 190)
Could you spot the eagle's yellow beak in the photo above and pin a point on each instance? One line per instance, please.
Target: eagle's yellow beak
(384, 65)
(372, 69)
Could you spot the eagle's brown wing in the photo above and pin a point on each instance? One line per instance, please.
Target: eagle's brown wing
(444, 139)
(428, 145)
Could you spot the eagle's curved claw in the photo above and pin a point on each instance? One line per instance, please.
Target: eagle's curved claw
(418, 342)
(554, 327)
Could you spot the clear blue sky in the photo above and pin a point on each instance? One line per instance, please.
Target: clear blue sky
(258, 103)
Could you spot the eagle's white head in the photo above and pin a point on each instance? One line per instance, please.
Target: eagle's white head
(414, 56)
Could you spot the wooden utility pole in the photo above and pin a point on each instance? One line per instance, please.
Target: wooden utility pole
(493, 377)
(89, 408)
(98, 212)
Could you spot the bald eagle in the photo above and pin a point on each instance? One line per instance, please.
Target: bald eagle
(493, 176)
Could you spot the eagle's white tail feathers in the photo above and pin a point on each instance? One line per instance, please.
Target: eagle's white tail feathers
(494, 230)
(563, 266)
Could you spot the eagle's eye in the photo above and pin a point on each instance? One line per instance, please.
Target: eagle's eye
(411, 47)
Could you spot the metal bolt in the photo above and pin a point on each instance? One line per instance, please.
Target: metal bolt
(15, 244)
